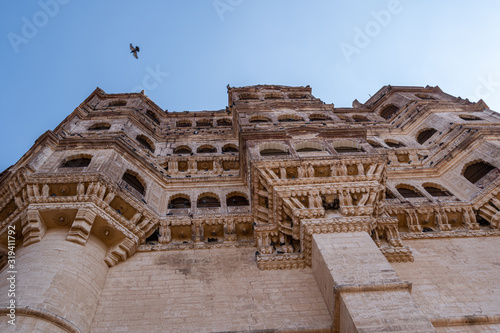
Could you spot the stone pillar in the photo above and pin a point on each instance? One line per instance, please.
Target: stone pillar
(58, 284)
(362, 291)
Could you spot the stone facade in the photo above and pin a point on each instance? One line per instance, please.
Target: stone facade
(279, 213)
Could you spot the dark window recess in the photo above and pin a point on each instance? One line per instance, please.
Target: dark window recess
(118, 102)
(260, 120)
(424, 96)
(476, 171)
(247, 96)
(204, 123)
(179, 203)
(208, 202)
(374, 144)
(273, 152)
(394, 144)
(183, 124)
(437, 192)
(206, 150)
(389, 111)
(182, 150)
(229, 149)
(307, 149)
(77, 163)
(409, 193)
(318, 117)
(144, 143)
(360, 119)
(133, 182)
(100, 127)
(469, 117)
(224, 122)
(289, 119)
(153, 239)
(236, 200)
(423, 136)
(348, 150)
(152, 116)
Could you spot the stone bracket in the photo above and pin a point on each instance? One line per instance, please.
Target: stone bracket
(33, 227)
(120, 252)
(80, 229)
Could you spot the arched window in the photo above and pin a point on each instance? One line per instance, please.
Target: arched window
(81, 162)
(287, 118)
(260, 119)
(436, 191)
(469, 117)
(347, 146)
(206, 149)
(409, 192)
(273, 149)
(183, 123)
(318, 117)
(359, 118)
(133, 182)
(343, 150)
(179, 202)
(145, 142)
(224, 122)
(476, 171)
(208, 201)
(204, 123)
(118, 102)
(425, 96)
(425, 135)
(273, 152)
(236, 200)
(309, 147)
(374, 144)
(152, 116)
(248, 96)
(229, 149)
(182, 150)
(389, 111)
(100, 127)
(297, 95)
(394, 144)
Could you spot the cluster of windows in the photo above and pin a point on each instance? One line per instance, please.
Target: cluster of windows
(277, 149)
(204, 123)
(408, 191)
(272, 95)
(207, 200)
(312, 117)
(204, 149)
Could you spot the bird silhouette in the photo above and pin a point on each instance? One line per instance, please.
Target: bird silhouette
(134, 50)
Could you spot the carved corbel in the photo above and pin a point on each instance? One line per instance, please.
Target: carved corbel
(33, 227)
(80, 229)
(120, 252)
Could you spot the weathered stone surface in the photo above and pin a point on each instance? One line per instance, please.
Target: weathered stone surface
(210, 221)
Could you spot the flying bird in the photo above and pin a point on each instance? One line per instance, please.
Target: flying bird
(134, 50)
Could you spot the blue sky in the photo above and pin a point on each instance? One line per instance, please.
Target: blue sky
(56, 52)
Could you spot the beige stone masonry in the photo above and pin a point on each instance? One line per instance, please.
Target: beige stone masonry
(216, 290)
(361, 289)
